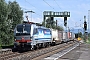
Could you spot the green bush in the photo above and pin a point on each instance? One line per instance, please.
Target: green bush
(88, 41)
(0, 47)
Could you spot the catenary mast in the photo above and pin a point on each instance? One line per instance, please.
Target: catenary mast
(89, 21)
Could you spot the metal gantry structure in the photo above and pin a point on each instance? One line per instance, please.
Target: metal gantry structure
(52, 14)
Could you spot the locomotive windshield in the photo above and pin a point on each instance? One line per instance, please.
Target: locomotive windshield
(23, 29)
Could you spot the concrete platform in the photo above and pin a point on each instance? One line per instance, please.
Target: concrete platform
(82, 52)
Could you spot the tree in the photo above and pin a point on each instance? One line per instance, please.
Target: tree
(80, 34)
(3, 22)
(60, 28)
(16, 14)
(51, 24)
(89, 34)
(10, 15)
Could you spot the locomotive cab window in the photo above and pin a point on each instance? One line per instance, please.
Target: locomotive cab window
(23, 29)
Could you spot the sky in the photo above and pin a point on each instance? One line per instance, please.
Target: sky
(77, 8)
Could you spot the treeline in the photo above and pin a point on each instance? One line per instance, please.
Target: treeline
(10, 15)
(52, 24)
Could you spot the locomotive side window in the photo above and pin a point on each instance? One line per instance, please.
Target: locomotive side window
(35, 31)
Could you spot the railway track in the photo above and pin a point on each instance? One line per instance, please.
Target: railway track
(54, 55)
(33, 54)
(5, 51)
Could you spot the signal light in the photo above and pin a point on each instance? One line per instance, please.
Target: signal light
(65, 21)
(85, 25)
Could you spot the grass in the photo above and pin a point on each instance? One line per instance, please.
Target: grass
(6, 46)
(88, 41)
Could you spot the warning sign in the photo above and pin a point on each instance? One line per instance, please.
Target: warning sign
(79, 38)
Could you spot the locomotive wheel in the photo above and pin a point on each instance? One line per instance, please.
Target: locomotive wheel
(34, 48)
(37, 47)
(43, 45)
(53, 43)
(14, 49)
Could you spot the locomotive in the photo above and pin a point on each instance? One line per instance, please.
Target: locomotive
(29, 35)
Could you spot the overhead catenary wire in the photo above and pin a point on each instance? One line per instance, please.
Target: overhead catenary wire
(25, 8)
(33, 5)
(57, 4)
(48, 4)
(38, 14)
(30, 9)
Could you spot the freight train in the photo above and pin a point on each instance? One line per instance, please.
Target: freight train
(29, 35)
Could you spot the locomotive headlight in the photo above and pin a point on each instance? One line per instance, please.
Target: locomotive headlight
(14, 39)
